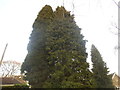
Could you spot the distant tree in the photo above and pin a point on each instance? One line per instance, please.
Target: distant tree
(56, 52)
(100, 70)
(10, 68)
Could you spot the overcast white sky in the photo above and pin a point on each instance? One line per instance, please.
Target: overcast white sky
(95, 17)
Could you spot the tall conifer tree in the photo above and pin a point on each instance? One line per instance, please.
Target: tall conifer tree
(67, 53)
(35, 63)
(56, 52)
(100, 70)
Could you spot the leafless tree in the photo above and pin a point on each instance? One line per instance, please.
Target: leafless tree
(117, 26)
(9, 68)
(113, 23)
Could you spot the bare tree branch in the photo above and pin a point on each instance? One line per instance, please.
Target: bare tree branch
(10, 68)
(116, 3)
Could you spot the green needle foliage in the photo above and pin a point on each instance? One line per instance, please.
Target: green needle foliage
(35, 63)
(100, 70)
(56, 52)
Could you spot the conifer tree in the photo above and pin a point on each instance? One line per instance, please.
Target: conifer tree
(100, 70)
(67, 53)
(35, 64)
(56, 52)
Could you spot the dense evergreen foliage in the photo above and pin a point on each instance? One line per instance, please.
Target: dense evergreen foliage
(100, 70)
(56, 52)
(35, 63)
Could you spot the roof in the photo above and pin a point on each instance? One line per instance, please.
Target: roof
(116, 80)
(12, 80)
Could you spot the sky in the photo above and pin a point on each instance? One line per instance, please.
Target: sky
(97, 18)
